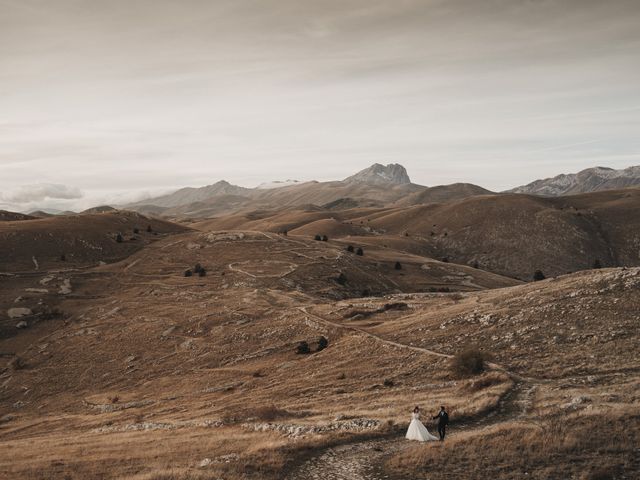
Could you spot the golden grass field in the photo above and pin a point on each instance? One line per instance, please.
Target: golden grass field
(143, 373)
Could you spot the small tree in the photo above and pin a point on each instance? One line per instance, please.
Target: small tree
(398, 266)
(188, 273)
(197, 268)
(325, 238)
(350, 248)
(597, 264)
(149, 229)
(202, 272)
(317, 238)
(322, 343)
(303, 348)
(341, 278)
(360, 252)
(538, 275)
(119, 238)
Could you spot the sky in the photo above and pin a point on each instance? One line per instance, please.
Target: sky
(108, 101)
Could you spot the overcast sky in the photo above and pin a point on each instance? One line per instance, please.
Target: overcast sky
(107, 100)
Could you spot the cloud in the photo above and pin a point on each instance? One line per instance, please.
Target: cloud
(41, 191)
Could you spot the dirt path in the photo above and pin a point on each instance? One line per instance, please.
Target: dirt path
(365, 460)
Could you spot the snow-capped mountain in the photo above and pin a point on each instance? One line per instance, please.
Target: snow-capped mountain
(589, 180)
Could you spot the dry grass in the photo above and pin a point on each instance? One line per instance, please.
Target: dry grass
(578, 446)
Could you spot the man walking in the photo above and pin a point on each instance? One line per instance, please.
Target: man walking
(443, 421)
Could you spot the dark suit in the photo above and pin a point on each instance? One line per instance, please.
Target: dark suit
(443, 421)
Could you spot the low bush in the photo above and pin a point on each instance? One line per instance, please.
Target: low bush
(303, 348)
(350, 248)
(538, 275)
(360, 251)
(471, 361)
(119, 238)
(317, 238)
(322, 343)
(325, 238)
(341, 278)
(398, 266)
(188, 273)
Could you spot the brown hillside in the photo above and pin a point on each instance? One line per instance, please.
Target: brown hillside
(84, 239)
(6, 216)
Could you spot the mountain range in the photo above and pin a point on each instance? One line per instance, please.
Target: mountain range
(375, 186)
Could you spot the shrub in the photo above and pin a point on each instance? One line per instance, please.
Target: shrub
(322, 343)
(475, 264)
(538, 275)
(445, 259)
(202, 272)
(285, 233)
(388, 382)
(350, 248)
(341, 278)
(596, 263)
(136, 230)
(325, 238)
(360, 251)
(398, 266)
(303, 348)
(149, 229)
(197, 268)
(444, 289)
(269, 413)
(366, 292)
(188, 273)
(119, 238)
(406, 234)
(63, 258)
(469, 362)
(317, 238)
(17, 363)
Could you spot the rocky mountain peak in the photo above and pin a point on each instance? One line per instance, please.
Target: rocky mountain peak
(377, 174)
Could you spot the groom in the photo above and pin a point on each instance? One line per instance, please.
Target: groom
(443, 421)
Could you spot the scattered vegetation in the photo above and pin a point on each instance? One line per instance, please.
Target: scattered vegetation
(322, 343)
(538, 275)
(303, 348)
(471, 361)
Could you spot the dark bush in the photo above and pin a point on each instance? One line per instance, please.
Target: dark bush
(444, 289)
(398, 266)
(188, 273)
(325, 238)
(350, 248)
(303, 348)
(197, 268)
(445, 259)
(469, 362)
(119, 238)
(406, 234)
(341, 278)
(538, 275)
(366, 292)
(202, 272)
(136, 230)
(317, 238)
(388, 382)
(63, 258)
(149, 229)
(475, 264)
(360, 251)
(597, 264)
(322, 343)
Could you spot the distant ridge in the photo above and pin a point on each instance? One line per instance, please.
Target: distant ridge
(378, 174)
(588, 180)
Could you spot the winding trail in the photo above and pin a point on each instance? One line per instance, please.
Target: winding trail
(364, 460)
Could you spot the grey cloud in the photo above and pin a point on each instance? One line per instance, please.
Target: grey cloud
(40, 191)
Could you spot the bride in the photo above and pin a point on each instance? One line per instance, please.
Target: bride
(417, 431)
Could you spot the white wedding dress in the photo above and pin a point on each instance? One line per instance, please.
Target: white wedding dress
(417, 431)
